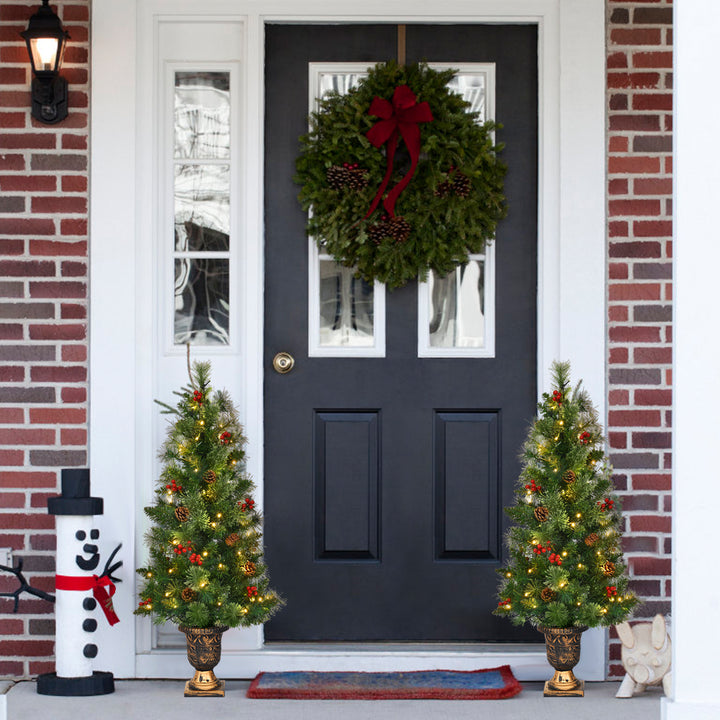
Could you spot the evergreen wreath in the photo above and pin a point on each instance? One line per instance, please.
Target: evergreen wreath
(450, 195)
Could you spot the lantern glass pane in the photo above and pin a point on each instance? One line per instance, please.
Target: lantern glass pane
(44, 53)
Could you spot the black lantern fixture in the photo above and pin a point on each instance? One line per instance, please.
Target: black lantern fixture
(46, 39)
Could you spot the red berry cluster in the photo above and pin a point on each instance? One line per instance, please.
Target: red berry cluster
(504, 603)
(225, 438)
(584, 437)
(539, 549)
(252, 590)
(249, 504)
(174, 487)
(532, 487)
(198, 397)
(607, 504)
(611, 590)
(195, 558)
(557, 396)
(146, 601)
(180, 549)
(350, 166)
(555, 559)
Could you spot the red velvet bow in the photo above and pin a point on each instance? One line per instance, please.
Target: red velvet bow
(400, 118)
(98, 585)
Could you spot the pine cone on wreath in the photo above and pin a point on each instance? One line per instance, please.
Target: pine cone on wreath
(541, 513)
(608, 569)
(357, 179)
(210, 477)
(591, 539)
(182, 513)
(188, 595)
(462, 185)
(377, 232)
(547, 594)
(249, 568)
(399, 229)
(442, 190)
(232, 539)
(569, 477)
(337, 176)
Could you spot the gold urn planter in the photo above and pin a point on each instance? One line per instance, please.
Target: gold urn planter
(562, 646)
(204, 646)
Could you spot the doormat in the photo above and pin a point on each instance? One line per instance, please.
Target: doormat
(491, 684)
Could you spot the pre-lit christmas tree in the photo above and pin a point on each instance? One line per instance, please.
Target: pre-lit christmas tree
(565, 567)
(205, 566)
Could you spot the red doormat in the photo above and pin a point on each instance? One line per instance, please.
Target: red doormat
(491, 684)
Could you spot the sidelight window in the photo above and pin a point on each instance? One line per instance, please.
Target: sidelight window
(201, 208)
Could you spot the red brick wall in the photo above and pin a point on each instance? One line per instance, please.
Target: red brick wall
(639, 96)
(43, 319)
(43, 304)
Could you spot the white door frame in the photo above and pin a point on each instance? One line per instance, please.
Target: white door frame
(123, 370)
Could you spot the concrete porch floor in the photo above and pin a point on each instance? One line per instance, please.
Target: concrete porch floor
(164, 700)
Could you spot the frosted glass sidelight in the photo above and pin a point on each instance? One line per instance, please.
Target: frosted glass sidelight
(202, 301)
(457, 307)
(202, 115)
(202, 208)
(346, 307)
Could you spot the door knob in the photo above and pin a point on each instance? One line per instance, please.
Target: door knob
(283, 362)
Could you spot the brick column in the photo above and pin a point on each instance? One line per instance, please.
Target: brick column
(639, 95)
(43, 318)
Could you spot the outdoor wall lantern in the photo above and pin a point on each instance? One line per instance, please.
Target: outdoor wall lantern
(46, 39)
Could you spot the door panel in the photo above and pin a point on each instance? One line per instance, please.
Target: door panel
(385, 478)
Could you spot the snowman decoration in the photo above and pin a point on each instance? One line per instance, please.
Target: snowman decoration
(79, 590)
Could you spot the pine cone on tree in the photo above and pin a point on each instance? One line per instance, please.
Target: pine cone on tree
(608, 569)
(569, 477)
(210, 477)
(547, 594)
(462, 185)
(182, 513)
(541, 513)
(591, 539)
(188, 595)
(232, 539)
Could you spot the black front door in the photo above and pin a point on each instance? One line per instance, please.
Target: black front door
(385, 478)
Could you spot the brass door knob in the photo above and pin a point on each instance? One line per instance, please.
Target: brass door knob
(283, 362)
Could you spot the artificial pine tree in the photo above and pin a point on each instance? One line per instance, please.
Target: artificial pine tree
(205, 566)
(565, 567)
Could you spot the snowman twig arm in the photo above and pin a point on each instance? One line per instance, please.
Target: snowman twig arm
(109, 568)
(24, 587)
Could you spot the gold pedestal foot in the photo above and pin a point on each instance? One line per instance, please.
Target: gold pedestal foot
(552, 690)
(217, 691)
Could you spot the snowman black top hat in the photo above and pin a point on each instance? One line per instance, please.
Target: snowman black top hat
(75, 498)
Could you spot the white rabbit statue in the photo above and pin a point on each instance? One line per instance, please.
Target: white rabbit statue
(646, 656)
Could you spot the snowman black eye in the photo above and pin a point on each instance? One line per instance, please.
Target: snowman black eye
(80, 535)
(94, 534)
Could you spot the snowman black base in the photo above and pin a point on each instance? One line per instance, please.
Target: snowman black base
(99, 683)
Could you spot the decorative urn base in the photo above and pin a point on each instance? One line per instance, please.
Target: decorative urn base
(562, 646)
(204, 647)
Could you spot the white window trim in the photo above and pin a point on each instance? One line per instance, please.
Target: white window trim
(571, 314)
